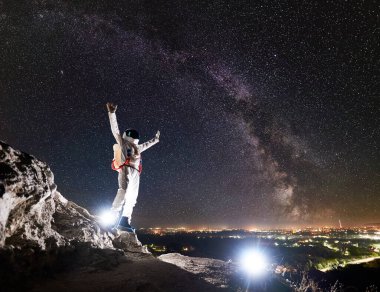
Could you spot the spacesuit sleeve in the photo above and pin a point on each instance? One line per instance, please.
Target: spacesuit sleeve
(115, 128)
(148, 144)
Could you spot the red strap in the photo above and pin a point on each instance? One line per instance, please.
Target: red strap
(114, 167)
(126, 163)
(120, 166)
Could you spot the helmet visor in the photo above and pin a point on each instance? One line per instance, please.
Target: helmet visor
(132, 133)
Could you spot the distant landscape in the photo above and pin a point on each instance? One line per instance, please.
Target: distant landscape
(325, 257)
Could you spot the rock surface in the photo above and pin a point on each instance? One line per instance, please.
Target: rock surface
(214, 271)
(34, 213)
(48, 243)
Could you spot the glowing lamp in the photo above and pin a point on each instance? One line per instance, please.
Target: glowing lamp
(254, 263)
(108, 218)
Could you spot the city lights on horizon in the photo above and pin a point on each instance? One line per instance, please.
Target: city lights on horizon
(262, 229)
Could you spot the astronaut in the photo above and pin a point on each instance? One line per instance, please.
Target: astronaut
(128, 163)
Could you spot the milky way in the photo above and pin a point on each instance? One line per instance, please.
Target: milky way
(267, 112)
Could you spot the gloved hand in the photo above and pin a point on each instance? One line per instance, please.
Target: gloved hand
(158, 135)
(111, 107)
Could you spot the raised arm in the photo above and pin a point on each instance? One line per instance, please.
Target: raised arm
(150, 143)
(113, 121)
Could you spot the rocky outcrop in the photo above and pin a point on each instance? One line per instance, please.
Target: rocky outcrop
(34, 214)
(213, 271)
(48, 243)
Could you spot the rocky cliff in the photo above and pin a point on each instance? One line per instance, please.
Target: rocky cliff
(50, 243)
(34, 214)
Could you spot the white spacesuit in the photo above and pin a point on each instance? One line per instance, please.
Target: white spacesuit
(129, 168)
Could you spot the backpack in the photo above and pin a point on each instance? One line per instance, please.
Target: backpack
(118, 163)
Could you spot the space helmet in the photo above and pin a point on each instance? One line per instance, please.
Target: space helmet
(132, 133)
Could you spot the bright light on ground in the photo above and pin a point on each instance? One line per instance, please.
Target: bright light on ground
(108, 218)
(254, 262)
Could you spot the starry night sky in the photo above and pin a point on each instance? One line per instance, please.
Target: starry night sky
(268, 110)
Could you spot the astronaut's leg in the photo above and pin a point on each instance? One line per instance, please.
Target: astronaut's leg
(119, 200)
(132, 193)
